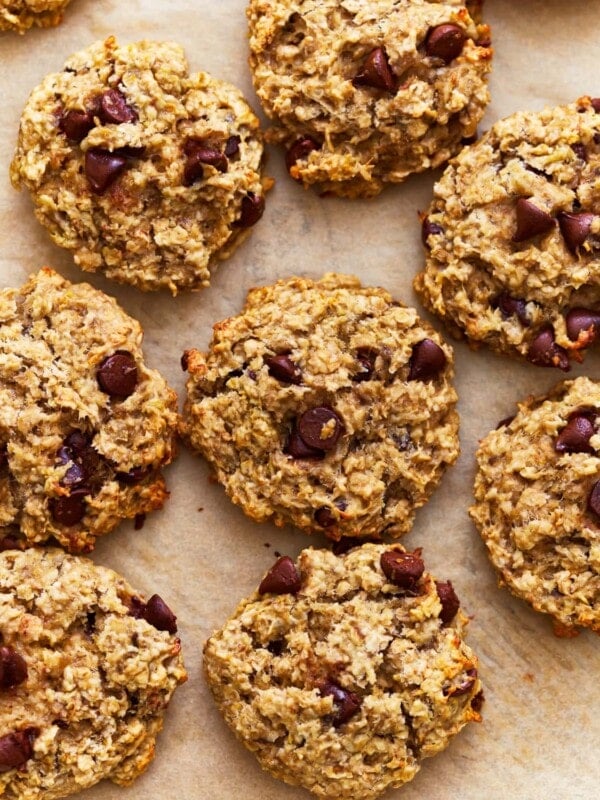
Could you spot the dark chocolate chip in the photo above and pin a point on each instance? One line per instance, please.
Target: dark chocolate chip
(575, 229)
(185, 361)
(10, 543)
(102, 168)
(594, 499)
(531, 221)
(60, 723)
(544, 352)
(345, 544)
(366, 357)
(282, 578)
(324, 517)
(504, 423)
(76, 124)
(136, 607)
(376, 72)
(300, 150)
(232, 146)
(90, 623)
(129, 151)
(580, 150)
(13, 668)
(159, 615)
(477, 702)
(320, 428)
(583, 321)
(296, 447)
(115, 109)
(253, 206)
(448, 599)
(77, 442)
(575, 436)
(402, 569)
(445, 42)
(16, 749)
(345, 703)
(199, 154)
(138, 522)
(276, 647)
(426, 362)
(118, 374)
(134, 476)
(71, 509)
(595, 103)
(512, 306)
(428, 229)
(284, 369)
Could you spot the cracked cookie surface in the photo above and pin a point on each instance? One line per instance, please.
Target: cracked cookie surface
(20, 15)
(364, 93)
(85, 426)
(88, 670)
(513, 237)
(145, 172)
(538, 503)
(342, 673)
(325, 404)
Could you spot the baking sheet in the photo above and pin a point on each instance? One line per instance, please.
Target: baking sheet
(541, 727)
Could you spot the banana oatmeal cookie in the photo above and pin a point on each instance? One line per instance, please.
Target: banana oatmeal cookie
(87, 669)
(343, 672)
(326, 405)
(146, 173)
(538, 503)
(20, 15)
(513, 237)
(364, 93)
(85, 426)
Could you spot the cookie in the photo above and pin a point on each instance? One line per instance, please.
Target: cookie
(87, 670)
(20, 15)
(326, 405)
(366, 93)
(146, 173)
(513, 237)
(85, 426)
(538, 503)
(342, 673)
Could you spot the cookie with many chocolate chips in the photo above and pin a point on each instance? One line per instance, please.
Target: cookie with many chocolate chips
(87, 670)
(326, 405)
(20, 15)
(512, 237)
(343, 676)
(367, 93)
(85, 426)
(144, 172)
(538, 503)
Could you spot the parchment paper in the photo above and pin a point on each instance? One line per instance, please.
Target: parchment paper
(541, 728)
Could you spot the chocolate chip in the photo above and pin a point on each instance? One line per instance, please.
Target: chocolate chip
(13, 668)
(575, 436)
(583, 321)
(159, 615)
(376, 72)
(512, 306)
(276, 647)
(346, 704)
(595, 103)
(531, 221)
(199, 154)
(464, 687)
(296, 447)
(575, 229)
(71, 509)
(366, 357)
(232, 146)
(185, 361)
(504, 423)
(129, 151)
(282, 578)
(580, 150)
(115, 109)
(448, 599)
(320, 428)
(284, 369)
(86, 460)
(324, 517)
(428, 229)
(102, 168)
(134, 476)
(445, 42)
(402, 569)
(118, 374)
(477, 702)
(10, 543)
(138, 522)
(76, 124)
(90, 623)
(300, 150)
(253, 206)
(16, 749)
(136, 607)
(594, 499)
(60, 723)
(427, 361)
(544, 352)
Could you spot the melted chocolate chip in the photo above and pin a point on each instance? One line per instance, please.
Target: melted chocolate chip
(402, 569)
(114, 108)
(284, 369)
(324, 517)
(376, 72)
(118, 374)
(300, 150)
(575, 436)
(13, 668)
(16, 749)
(512, 306)
(428, 229)
(320, 428)
(448, 599)
(544, 352)
(102, 168)
(71, 509)
(445, 42)
(159, 615)
(297, 448)
(282, 578)
(427, 361)
(345, 703)
(232, 146)
(575, 229)
(253, 207)
(477, 702)
(199, 154)
(134, 476)
(531, 221)
(366, 357)
(76, 124)
(583, 321)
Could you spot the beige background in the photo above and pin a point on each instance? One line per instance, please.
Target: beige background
(541, 727)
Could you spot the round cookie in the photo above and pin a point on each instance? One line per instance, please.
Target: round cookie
(87, 670)
(145, 172)
(365, 93)
(513, 237)
(538, 503)
(85, 426)
(326, 405)
(20, 15)
(342, 673)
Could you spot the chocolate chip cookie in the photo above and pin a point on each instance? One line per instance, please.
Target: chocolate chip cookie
(326, 405)
(20, 15)
(366, 93)
(538, 503)
(341, 673)
(512, 237)
(85, 426)
(87, 670)
(144, 172)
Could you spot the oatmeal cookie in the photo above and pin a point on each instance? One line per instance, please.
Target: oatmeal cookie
(326, 405)
(146, 173)
(20, 15)
(85, 426)
(87, 669)
(342, 673)
(364, 93)
(538, 503)
(513, 237)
